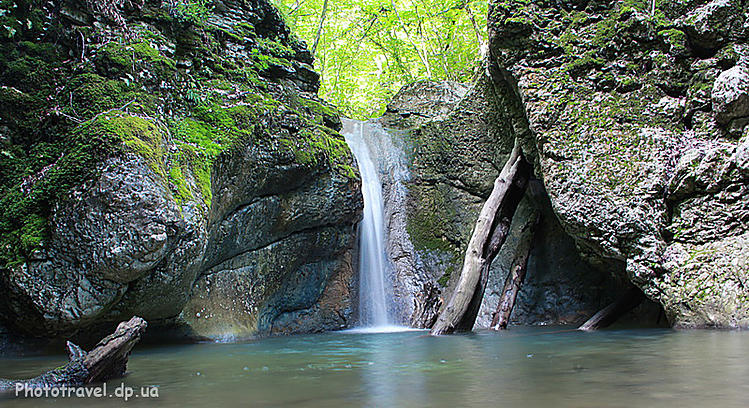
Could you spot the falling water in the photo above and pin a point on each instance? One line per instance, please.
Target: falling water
(373, 311)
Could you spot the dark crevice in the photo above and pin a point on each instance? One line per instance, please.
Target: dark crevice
(647, 313)
(700, 51)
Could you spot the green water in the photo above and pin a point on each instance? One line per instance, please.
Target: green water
(524, 367)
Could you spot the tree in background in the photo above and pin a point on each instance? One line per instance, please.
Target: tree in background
(365, 50)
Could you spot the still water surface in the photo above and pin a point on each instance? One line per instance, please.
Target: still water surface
(524, 367)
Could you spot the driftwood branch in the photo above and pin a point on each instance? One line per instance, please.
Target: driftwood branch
(515, 278)
(611, 313)
(488, 237)
(107, 360)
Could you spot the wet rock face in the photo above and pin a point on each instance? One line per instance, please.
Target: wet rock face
(110, 234)
(455, 146)
(276, 251)
(429, 168)
(217, 196)
(637, 128)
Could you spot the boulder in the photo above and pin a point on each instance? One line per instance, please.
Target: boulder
(730, 95)
(190, 160)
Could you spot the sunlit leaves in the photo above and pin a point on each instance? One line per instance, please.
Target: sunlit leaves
(368, 49)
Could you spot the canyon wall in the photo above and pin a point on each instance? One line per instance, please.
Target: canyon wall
(170, 163)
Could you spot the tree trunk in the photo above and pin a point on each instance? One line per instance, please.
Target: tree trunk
(479, 37)
(515, 278)
(487, 238)
(497, 239)
(319, 27)
(107, 360)
(422, 55)
(611, 313)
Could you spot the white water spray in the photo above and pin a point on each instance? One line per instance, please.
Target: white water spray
(372, 298)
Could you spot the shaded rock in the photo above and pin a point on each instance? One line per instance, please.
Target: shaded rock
(741, 155)
(715, 23)
(104, 237)
(631, 182)
(731, 95)
(425, 99)
(248, 294)
(183, 157)
(455, 158)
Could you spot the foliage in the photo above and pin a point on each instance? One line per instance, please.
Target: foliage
(368, 49)
(189, 11)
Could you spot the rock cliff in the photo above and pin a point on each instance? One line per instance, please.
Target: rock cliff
(635, 117)
(172, 161)
(456, 140)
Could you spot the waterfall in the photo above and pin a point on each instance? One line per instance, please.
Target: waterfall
(373, 302)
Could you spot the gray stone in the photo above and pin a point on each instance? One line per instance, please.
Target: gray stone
(731, 94)
(455, 152)
(663, 194)
(741, 155)
(267, 246)
(104, 238)
(715, 23)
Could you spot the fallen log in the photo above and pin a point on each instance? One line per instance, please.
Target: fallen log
(488, 237)
(611, 313)
(515, 278)
(107, 360)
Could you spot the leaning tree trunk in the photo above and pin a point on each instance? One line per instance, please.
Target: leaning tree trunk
(611, 313)
(515, 278)
(488, 236)
(107, 360)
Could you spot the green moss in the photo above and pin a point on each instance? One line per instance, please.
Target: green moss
(274, 48)
(70, 109)
(220, 31)
(628, 84)
(698, 87)
(181, 190)
(68, 162)
(54, 168)
(432, 229)
(189, 12)
(320, 145)
(212, 129)
(445, 278)
(130, 58)
(215, 128)
(42, 50)
(33, 230)
(92, 94)
(585, 63)
(264, 62)
(31, 73)
(138, 135)
(322, 114)
(21, 112)
(728, 56)
(675, 39)
(430, 221)
(246, 29)
(203, 179)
